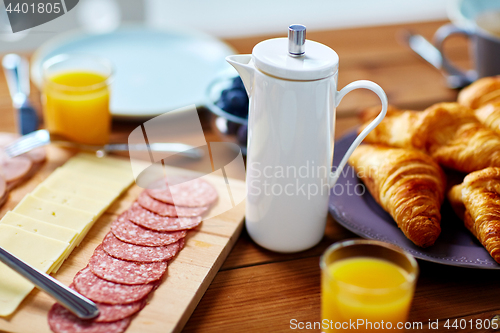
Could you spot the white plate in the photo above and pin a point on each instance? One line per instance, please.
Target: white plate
(155, 71)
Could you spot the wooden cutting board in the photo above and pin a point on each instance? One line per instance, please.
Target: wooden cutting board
(188, 276)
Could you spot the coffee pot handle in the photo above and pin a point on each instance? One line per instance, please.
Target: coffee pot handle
(457, 77)
(361, 84)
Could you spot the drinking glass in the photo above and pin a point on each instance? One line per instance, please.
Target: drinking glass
(76, 98)
(367, 286)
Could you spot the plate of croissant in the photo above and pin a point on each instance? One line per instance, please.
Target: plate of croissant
(429, 181)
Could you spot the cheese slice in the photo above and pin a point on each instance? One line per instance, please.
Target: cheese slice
(71, 200)
(59, 215)
(56, 214)
(89, 180)
(45, 229)
(82, 190)
(38, 251)
(100, 170)
(67, 253)
(123, 164)
(39, 227)
(70, 250)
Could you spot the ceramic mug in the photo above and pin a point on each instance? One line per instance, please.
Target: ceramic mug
(479, 20)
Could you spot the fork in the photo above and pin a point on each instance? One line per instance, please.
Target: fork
(42, 138)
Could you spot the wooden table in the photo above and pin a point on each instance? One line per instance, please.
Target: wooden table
(260, 291)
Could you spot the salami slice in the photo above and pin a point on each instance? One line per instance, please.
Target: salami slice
(129, 232)
(102, 291)
(63, 321)
(114, 312)
(7, 138)
(163, 209)
(109, 313)
(4, 192)
(37, 155)
(184, 192)
(126, 272)
(149, 220)
(126, 251)
(182, 242)
(15, 168)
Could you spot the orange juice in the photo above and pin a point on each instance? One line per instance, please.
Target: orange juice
(76, 106)
(368, 291)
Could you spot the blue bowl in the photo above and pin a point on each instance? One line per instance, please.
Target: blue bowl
(230, 127)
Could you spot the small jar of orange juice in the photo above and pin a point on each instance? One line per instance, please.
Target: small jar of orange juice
(366, 286)
(76, 98)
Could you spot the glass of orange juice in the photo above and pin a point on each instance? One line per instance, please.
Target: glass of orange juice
(366, 286)
(76, 98)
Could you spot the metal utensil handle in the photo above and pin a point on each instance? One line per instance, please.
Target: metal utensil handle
(28, 119)
(16, 69)
(23, 75)
(425, 49)
(10, 64)
(70, 299)
(180, 148)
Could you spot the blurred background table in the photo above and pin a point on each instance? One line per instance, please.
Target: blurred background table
(260, 291)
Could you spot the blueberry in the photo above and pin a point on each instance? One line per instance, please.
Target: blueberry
(236, 98)
(242, 112)
(234, 101)
(237, 83)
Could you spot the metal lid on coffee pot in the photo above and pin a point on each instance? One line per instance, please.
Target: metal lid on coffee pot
(295, 57)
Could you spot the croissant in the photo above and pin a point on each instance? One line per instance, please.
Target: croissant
(370, 113)
(448, 132)
(408, 184)
(396, 129)
(481, 92)
(489, 115)
(477, 202)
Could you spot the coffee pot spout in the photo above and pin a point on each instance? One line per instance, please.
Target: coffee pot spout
(244, 65)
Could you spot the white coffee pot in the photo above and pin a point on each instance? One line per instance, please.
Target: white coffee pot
(292, 86)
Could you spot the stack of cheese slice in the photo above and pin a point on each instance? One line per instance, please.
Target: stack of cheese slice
(50, 222)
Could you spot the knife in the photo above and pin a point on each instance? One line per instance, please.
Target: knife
(42, 138)
(70, 299)
(16, 69)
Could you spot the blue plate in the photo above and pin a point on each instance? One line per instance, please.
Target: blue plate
(155, 71)
(361, 214)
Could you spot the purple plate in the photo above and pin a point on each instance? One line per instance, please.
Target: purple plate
(360, 213)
